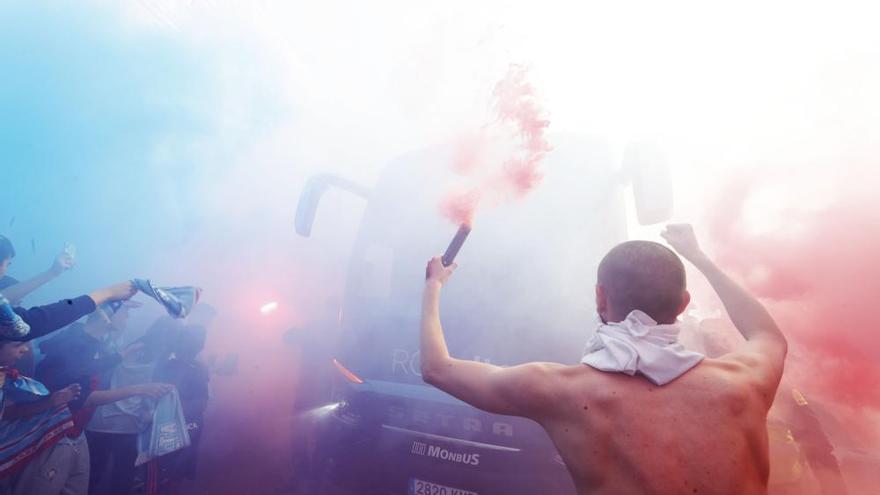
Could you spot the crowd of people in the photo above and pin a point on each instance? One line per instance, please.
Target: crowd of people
(76, 405)
(80, 396)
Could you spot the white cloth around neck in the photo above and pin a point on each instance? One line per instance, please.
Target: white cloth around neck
(640, 344)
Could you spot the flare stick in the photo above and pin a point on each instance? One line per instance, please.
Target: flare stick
(455, 245)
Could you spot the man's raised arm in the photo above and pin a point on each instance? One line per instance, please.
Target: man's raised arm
(766, 347)
(45, 319)
(518, 390)
(15, 293)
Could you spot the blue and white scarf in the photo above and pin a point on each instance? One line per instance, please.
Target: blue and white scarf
(21, 439)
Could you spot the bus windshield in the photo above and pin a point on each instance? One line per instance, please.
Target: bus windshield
(524, 290)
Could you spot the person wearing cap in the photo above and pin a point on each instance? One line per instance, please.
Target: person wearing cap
(45, 319)
(77, 356)
(34, 428)
(15, 290)
(35, 421)
(42, 320)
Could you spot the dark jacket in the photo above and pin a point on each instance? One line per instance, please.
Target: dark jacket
(44, 320)
(74, 356)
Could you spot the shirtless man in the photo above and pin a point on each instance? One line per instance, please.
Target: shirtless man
(703, 432)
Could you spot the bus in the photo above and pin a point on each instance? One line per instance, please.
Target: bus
(524, 291)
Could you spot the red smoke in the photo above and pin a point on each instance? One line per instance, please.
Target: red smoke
(492, 179)
(819, 273)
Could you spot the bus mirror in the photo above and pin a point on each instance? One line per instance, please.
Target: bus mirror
(646, 168)
(315, 187)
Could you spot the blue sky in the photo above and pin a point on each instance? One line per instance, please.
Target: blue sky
(149, 136)
(97, 131)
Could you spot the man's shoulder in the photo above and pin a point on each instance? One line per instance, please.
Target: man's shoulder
(543, 376)
(560, 380)
(747, 364)
(564, 379)
(545, 370)
(726, 364)
(724, 370)
(731, 377)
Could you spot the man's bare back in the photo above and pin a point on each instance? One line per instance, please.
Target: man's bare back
(703, 433)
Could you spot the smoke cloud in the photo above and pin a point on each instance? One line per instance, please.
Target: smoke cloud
(502, 161)
(806, 245)
(171, 140)
(816, 269)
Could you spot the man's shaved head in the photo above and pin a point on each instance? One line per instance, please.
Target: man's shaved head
(641, 275)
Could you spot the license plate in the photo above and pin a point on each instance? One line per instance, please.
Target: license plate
(420, 487)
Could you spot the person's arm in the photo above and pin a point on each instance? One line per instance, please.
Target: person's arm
(519, 390)
(101, 397)
(46, 319)
(117, 292)
(18, 291)
(817, 448)
(63, 396)
(766, 346)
